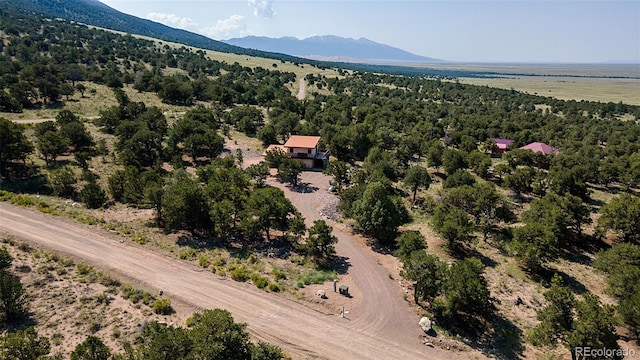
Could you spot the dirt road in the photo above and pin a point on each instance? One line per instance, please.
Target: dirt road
(38, 121)
(380, 307)
(302, 92)
(301, 331)
(31, 121)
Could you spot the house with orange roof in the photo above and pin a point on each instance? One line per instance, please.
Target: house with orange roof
(305, 149)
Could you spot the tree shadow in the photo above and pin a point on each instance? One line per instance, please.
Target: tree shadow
(34, 184)
(304, 188)
(588, 244)
(197, 242)
(486, 261)
(496, 337)
(55, 105)
(594, 204)
(201, 161)
(25, 322)
(500, 239)
(572, 283)
(545, 275)
(340, 264)
(463, 251)
(380, 247)
(506, 340)
(279, 247)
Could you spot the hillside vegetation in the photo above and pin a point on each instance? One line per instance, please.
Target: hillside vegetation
(93, 12)
(410, 162)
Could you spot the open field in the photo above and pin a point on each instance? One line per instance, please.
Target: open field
(592, 82)
(584, 70)
(569, 88)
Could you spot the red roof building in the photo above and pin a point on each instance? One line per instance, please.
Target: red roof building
(302, 142)
(305, 149)
(541, 148)
(501, 145)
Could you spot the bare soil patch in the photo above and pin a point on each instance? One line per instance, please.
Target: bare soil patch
(67, 306)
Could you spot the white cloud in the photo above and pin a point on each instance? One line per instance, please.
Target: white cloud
(263, 8)
(227, 28)
(172, 20)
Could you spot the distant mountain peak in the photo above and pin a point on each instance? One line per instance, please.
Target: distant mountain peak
(330, 47)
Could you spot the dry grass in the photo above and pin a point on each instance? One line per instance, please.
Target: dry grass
(91, 104)
(70, 301)
(590, 82)
(585, 70)
(240, 140)
(569, 88)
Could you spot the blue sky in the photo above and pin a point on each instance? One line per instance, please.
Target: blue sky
(569, 31)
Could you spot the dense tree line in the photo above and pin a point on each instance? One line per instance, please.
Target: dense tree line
(43, 61)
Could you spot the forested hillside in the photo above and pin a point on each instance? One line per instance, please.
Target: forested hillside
(408, 154)
(93, 12)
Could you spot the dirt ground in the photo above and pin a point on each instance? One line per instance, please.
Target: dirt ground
(67, 307)
(378, 326)
(302, 92)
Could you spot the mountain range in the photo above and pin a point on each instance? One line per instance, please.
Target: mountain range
(330, 48)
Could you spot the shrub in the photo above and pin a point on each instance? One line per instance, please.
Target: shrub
(92, 196)
(6, 195)
(43, 207)
(103, 298)
(22, 200)
(84, 269)
(259, 281)
(219, 261)
(139, 238)
(188, 255)
(203, 261)
(240, 274)
(162, 306)
(274, 287)
(107, 280)
(146, 297)
(14, 303)
(61, 181)
(279, 275)
(5, 258)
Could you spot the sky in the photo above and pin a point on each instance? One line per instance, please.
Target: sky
(531, 31)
